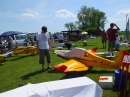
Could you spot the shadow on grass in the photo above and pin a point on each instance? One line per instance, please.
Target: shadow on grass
(102, 48)
(121, 92)
(27, 76)
(56, 71)
(1, 64)
(19, 57)
(92, 44)
(74, 74)
(53, 71)
(99, 71)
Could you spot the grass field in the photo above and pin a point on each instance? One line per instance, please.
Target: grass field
(23, 69)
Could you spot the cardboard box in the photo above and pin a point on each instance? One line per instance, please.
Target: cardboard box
(106, 82)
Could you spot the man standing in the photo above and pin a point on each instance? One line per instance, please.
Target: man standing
(43, 47)
(112, 37)
(10, 43)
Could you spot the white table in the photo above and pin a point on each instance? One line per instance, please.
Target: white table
(74, 87)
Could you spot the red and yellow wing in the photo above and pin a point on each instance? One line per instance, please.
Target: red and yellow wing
(71, 65)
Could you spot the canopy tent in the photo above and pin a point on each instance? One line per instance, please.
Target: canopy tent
(74, 87)
(9, 33)
(84, 32)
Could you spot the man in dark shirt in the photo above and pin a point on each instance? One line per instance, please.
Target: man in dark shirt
(111, 33)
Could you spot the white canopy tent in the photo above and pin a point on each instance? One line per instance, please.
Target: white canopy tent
(74, 87)
(84, 32)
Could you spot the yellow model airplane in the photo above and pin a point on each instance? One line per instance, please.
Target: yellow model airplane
(80, 60)
(2, 58)
(25, 50)
(4, 55)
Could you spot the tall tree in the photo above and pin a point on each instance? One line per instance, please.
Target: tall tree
(90, 18)
(70, 26)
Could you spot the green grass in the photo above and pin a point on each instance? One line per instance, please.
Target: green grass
(23, 69)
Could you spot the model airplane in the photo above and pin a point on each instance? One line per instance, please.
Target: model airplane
(106, 54)
(60, 45)
(25, 50)
(125, 44)
(85, 43)
(80, 60)
(3, 56)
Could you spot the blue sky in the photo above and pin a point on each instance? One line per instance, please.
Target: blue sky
(31, 15)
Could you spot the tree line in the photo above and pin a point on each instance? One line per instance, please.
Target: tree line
(89, 19)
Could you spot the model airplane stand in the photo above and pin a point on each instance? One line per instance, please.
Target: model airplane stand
(68, 45)
(126, 64)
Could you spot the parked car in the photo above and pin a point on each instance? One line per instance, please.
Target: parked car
(18, 40)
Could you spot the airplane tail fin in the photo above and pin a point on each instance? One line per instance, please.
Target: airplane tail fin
(120, 56)
(119, 60)
(93, 50)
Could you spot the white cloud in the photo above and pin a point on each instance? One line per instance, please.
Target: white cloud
(125, 11)
(120, 21)
(64, 14)
(30, 15)
(111, 1)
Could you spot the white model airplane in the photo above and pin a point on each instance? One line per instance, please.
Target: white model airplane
(125, 44)
(60, 45)
(106, 54)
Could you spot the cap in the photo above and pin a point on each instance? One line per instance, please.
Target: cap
(44, 28)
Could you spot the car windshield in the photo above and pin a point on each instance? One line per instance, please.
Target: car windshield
(20, 37)
(5, 38)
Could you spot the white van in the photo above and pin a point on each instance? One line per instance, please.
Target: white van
(19, 40)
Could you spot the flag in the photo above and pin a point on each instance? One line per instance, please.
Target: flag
(127, 30)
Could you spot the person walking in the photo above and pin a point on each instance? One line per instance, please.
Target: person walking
(111, 33)
(43, 47)
(104, 38)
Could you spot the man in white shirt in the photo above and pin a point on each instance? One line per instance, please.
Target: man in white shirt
(60, 38)
(43, 47)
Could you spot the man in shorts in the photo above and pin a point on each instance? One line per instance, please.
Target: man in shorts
(111, 33)
(43, 47)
